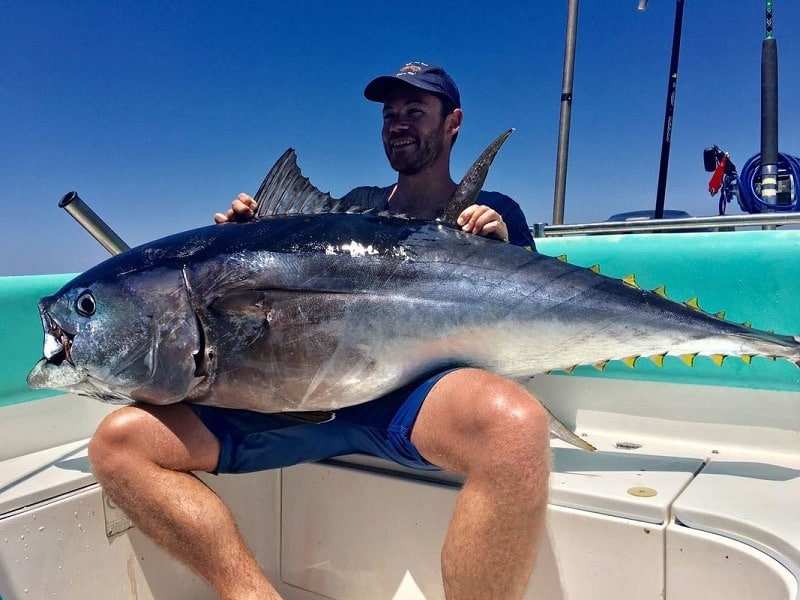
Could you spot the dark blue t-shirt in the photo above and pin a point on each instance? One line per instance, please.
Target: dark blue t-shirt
(519, 233)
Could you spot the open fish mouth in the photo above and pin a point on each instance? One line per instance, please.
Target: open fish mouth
(56, 369)
(57, 342)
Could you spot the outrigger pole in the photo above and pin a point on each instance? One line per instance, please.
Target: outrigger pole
(566, 111)
(769, 113)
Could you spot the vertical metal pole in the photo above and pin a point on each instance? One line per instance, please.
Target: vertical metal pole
(566, 111)
(769, 113)
(670, 110)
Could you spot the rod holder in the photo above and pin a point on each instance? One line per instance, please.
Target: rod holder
(96, 227)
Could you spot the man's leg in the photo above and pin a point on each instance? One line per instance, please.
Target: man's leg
(143, 457)
(496, 434)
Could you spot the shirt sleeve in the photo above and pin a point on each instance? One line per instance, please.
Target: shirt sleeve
(368, 197)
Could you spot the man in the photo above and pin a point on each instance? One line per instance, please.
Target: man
(490, 430)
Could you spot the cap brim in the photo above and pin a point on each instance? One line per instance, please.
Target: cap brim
(379, 88)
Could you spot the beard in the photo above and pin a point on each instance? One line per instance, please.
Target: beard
(408, 160)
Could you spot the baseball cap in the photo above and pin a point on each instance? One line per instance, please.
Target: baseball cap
(430, 78)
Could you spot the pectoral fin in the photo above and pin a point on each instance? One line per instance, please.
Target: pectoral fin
(562, 432)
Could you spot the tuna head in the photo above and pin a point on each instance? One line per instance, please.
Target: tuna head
(121, 339)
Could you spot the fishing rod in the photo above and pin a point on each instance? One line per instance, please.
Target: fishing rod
(669, 112)
(769, 180)
(98, 229)
(769, 113)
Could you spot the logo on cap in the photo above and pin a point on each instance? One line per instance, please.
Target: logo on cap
(411, 69)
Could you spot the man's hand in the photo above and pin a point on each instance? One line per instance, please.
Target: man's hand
(243, 208)
(482, 220)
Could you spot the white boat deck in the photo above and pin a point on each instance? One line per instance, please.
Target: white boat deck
(698, 501)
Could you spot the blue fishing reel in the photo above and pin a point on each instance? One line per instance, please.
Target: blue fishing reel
(746, 187)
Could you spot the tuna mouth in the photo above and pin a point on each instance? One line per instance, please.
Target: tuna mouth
(57, 343)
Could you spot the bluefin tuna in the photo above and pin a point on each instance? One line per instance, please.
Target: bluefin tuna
(313, 306)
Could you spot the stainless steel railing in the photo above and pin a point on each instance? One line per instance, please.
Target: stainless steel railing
(728, 222)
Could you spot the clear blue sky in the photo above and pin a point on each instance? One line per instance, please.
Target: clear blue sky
(159, 113)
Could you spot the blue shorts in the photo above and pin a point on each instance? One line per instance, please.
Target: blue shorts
(253, 441)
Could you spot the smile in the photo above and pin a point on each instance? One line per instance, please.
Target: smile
(401, 143)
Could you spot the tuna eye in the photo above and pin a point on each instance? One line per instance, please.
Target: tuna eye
(85, 304)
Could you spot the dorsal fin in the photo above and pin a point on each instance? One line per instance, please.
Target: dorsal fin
(467, 191)
(286, 191)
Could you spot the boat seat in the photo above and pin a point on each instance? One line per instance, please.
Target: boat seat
(44, 454)
(40, 476)
(752, 502)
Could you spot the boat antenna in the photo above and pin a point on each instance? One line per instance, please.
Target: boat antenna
(769, 112)
(672, 85)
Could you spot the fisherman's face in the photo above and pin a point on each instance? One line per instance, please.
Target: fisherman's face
(415, 135)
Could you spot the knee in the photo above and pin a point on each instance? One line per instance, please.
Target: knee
(509, 412)
(115, 440)
(517, 455)
(480, 425)
(510, 428)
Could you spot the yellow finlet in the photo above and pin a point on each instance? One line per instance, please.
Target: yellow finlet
(570, 370)
(717, 359)
(747, 358)
(661, 291)
(720, 314)
(631, 281)
(562, 257)
(630, 361)
(595, 269)
(658, 359)
(693, 303)
(747, 324)
(600, 366)
(688, 358)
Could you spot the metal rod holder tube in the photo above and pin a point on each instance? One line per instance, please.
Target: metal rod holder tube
(98, 229)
